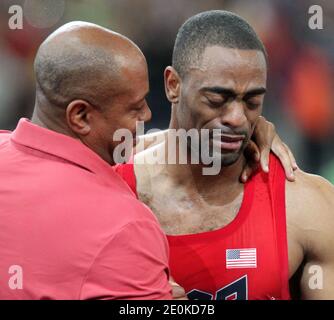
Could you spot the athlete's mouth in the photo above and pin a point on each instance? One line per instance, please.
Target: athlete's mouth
(228, 142)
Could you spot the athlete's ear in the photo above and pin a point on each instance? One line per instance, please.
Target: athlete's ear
(172, 84)
(78, 115)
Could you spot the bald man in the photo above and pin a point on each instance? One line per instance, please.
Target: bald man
(71, 227)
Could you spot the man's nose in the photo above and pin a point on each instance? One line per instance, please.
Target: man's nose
(146, 113)
(234, 115)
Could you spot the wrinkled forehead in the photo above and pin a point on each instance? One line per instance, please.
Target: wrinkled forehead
(230, 68)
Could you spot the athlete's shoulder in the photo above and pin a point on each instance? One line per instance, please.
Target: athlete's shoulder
(310, 197)
(309, 208)
(310, 191)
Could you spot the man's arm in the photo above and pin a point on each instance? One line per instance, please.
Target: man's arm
(310, 214)
(132, 264)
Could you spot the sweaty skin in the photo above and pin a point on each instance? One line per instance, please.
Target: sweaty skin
(186, 202)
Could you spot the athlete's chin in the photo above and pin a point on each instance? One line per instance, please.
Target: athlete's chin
(229, 159)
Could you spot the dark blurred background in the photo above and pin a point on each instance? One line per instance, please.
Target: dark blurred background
(300, 87)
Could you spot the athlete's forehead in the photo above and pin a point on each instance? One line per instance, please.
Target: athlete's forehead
(237, 70)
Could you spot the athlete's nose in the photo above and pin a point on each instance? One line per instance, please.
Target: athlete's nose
(234, 115)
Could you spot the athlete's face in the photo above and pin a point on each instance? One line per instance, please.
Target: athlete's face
(225, 92)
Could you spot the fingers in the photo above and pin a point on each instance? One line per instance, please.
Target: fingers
(252, 155)
(178, 292)
(247, 172)
(264, 134)
(292, 158)
(264, 158)
(285, 156)
(266, 139)
(252, 152)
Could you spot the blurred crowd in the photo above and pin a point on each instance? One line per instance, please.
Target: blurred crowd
(300, 82)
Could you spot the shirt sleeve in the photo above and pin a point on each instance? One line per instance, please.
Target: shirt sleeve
(132, 265)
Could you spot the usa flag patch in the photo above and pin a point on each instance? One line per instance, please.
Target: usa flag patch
(241, 258)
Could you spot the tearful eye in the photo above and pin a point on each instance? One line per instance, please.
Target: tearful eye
(215, 103)
(252, 104)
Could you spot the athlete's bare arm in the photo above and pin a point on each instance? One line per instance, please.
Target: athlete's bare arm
(310, 220)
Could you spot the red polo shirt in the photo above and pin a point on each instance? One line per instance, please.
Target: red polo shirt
(72, 225)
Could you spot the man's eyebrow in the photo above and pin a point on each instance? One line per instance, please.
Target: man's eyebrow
(255, 92)
(219, 90)
(230, 92)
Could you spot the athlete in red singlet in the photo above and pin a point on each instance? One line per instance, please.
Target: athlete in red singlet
(229, 240)
(247, 259)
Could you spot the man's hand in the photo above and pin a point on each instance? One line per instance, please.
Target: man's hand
(265, 139)
(178, 292)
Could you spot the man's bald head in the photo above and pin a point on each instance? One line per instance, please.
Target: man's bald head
(82, 60)
(90, 82)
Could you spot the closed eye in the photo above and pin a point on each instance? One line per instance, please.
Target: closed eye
(215, 103)
(252, 104)
(139, 106)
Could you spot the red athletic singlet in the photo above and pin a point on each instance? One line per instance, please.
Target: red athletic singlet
(248, 258)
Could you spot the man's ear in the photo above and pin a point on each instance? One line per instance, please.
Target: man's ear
(78, 114)
(172, 84)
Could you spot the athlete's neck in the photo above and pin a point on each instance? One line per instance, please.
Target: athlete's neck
(226, 181)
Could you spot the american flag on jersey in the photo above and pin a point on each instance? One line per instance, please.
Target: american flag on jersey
(241, 258)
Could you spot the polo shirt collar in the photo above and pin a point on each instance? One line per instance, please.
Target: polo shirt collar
(59, 145)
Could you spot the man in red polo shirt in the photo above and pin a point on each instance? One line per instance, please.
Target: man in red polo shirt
(71, 228)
